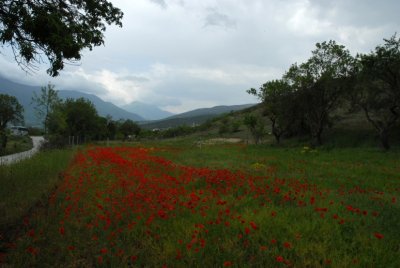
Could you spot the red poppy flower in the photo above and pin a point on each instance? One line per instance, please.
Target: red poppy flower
(287, 245)
(62, 230)
(31, 233)
(133, 258)
(378, 235)
(253, 225)
(227, 263)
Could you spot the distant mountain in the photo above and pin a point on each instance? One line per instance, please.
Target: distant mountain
(147, 111)
(194, 117)
(24, 95)
(104, 108)
(217, 110)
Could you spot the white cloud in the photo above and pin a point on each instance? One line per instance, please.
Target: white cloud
(161, 3)
(305, 20)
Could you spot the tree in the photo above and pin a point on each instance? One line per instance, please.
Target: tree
(57, 122)
(74, 117)
(45, 103)
(378, 89)
(10, 111)
(277, 97)
(224, 127)
(255, 126)
(235, 125)
(128, 128)
(111, 127)
(60, 29)
(320, 84)
(81, 118)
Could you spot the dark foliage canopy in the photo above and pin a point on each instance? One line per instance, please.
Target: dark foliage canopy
(10, 110)
(56, 29)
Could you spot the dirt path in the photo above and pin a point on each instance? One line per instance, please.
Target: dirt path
(219, 141)
(13, 158)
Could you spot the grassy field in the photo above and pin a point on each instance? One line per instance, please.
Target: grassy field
(178, 204)
(25, 186)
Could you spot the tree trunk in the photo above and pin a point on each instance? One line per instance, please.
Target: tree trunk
(384, 137)
(382, 128)
(316, 137)
(277, 138)
(276, 133)
(316, 140)
(3, 140)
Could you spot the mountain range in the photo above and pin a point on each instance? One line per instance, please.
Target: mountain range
(147, 111)
(147, 115)
(24, 94)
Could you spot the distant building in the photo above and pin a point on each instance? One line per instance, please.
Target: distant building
(19, 130)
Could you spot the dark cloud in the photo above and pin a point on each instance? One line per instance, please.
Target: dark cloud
(358, 12)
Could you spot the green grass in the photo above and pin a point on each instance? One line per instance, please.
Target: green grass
(17, 144)
(367, 166)
(24, 184)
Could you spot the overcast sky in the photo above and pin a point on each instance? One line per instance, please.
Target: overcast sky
(187, 54)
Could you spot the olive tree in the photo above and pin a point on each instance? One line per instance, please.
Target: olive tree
(320, 84)
(378, 89)
(256, 126)
(279, 106)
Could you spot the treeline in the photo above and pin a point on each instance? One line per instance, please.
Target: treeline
(76, 121)
(308, 96)
(73, 121)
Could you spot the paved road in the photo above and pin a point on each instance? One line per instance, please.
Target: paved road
(13, 158)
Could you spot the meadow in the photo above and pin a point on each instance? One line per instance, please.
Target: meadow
(179, 204)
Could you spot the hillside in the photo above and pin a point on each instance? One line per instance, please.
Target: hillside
(195, 117)
(175, 122)
(217, 110)
(348, 131)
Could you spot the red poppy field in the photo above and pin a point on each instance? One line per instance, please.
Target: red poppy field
(130, 207)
